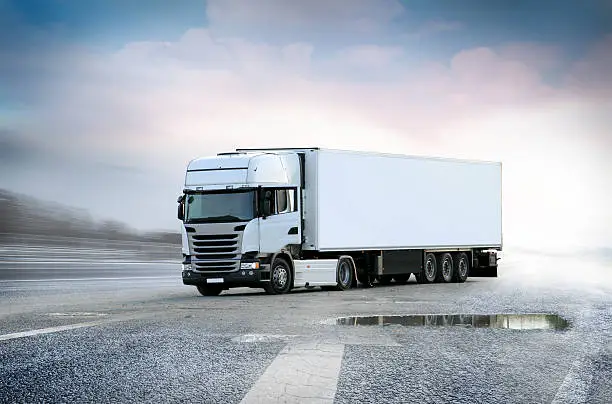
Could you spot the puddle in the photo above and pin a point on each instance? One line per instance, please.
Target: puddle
(508, 321)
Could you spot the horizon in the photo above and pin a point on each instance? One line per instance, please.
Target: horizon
(103, 104)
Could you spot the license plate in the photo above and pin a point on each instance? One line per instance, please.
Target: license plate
(214, 280)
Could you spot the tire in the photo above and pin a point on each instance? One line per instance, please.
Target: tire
(344, 274)
(401, 279)
(446, 268)
(385, 279)
(430, 270)
(461, 263)
(281, 278)
(208, 290)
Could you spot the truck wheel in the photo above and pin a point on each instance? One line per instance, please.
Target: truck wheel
(208, 290)
(462, 267)
(430, 270)
(281, 278)
(385, 279)
(344, 274)
(446, 269)
(401, 279)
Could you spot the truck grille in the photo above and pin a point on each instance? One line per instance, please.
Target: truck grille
(216, 252)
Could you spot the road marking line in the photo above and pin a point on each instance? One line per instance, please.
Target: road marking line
(306, 372)
(89, 279)
(252, 338)
(49, 330)
(575, 387)
(78, 314)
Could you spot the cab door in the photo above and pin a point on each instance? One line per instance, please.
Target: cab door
(280, 222)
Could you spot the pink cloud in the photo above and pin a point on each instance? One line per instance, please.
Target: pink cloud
(537, 56)
(484, 75)
(370, 56)
(592, 75)
(158, 104)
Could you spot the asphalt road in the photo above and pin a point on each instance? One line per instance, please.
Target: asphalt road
(136, 334)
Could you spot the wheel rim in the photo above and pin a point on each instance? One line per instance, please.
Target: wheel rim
(446, 269)
(462, 268)
(279, 276)
(344, 273)
(430, 270)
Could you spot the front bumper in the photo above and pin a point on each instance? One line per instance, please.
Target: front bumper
(242, 277)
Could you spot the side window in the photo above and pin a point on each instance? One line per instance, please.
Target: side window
(285, 200)
(281, 201)
(292, 200)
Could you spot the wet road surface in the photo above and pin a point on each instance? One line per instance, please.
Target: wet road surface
(141, 336)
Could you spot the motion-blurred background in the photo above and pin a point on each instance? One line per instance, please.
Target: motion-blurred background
(103, 103)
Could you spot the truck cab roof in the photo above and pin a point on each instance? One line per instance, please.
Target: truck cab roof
(243, 170)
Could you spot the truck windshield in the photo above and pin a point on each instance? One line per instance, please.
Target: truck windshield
(217, 207)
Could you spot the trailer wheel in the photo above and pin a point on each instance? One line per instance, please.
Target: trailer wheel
(401, 279)
(462, 267)
(281, 278)
(430, 270)
(208, 290)
(446, 269)
(344, 274)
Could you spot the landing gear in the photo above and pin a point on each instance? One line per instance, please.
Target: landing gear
(401, 279)
(385, 279)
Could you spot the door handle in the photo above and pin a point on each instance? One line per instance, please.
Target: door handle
(293, 230)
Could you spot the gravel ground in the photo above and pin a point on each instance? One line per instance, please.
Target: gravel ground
(155, 340)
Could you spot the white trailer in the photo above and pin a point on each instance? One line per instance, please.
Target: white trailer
(305, 217)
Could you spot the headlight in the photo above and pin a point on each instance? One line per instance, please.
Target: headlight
(249, 265)
(187, 267)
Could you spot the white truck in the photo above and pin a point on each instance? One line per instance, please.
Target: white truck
(287, 218)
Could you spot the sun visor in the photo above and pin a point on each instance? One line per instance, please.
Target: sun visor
(216, 177)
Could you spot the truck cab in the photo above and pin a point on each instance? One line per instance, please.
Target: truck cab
(238, 211)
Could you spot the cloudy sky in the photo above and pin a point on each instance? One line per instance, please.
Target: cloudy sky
(103, 102)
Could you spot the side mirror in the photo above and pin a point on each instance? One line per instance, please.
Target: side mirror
(181, 208)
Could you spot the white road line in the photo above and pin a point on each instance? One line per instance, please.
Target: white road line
(90, 279)
(301, 373)
(49, 330)
(251, 338)
(575, 387)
